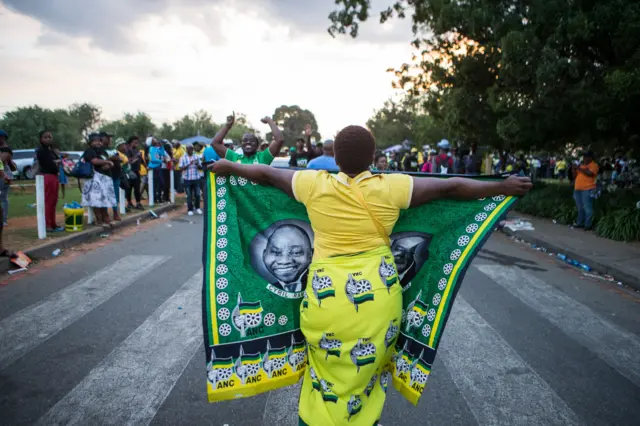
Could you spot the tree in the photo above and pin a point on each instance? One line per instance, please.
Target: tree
(23, 125)
(404, 119)
(87, 116)
(521, 74)
(291, 120)
(139, 125)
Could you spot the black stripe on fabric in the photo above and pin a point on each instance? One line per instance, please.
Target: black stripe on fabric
(205, 266)
(257, 345)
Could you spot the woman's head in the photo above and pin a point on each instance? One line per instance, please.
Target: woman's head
(95, 141)
(354, 147)
(46, 138)
(380, 162)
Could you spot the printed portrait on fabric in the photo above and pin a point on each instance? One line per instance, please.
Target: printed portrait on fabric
(281, 254)
(410, 251)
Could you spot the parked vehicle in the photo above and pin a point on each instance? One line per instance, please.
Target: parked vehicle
(24, 162)
(280, 162)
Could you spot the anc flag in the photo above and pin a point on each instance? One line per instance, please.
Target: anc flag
(421, 307)
(250, 308)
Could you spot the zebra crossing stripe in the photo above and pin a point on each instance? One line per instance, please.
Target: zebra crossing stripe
(37, 323)
(614, 345)
(499, 387)
(131, 383)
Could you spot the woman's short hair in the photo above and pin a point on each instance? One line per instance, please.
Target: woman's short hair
(354, 147)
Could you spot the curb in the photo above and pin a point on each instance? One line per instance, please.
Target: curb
(601, 268)
(43, 251)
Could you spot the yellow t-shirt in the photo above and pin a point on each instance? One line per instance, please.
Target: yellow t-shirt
(340, 224)
(177, 155)
(143, 169)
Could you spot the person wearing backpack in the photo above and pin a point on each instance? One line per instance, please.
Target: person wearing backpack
(443, 163)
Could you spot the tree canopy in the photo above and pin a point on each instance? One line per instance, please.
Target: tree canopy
(70, 127)
(292, 120)
(515, 74)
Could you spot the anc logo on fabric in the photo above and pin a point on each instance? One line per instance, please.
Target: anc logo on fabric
(385, 378)
(419, 371)
(296, 354)
(246, 315)
(219, 369)
(391, 334)
(358, 292)
(371, 385)
(354, 406)
(327, 391)
(315, 382)
(322, 287)
(416, 312)
(332, 346)
(247, 367)
(274, 360)
(363, 353)
(402, 361)
(388, 274)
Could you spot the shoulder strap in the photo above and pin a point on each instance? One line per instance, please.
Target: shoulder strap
(376, 222)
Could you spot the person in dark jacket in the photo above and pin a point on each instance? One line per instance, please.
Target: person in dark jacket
(49, 164)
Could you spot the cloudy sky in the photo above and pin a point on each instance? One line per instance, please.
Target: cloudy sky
(171, 57)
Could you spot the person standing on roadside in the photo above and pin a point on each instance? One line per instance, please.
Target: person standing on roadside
(8, 168)
(157, 156)
(134, 157)
(49, 164)
(304, 150)
(115, 171)
(410, 162)
(178, 152)
(326, 161)
(190, 163)
(585, 185)
(443, 163)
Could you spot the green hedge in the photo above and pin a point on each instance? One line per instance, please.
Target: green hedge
(615, 216)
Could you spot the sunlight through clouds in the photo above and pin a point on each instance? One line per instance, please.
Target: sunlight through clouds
(182, 58)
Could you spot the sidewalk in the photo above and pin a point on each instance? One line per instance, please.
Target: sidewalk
(621, 260)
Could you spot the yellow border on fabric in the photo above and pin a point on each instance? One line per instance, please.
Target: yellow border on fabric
(461, 261)
(245, 392)
(213, 218)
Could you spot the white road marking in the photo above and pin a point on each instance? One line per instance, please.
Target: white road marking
(614, 345)
(499, 387)
(282, 407)
(24, 330)
(131, 383)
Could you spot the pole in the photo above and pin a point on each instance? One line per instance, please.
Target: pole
(90, 218)
(123, 209)
(150, 187)
(172, 191)
(42, 225)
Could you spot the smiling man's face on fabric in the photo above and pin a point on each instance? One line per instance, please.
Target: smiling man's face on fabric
(288, 253)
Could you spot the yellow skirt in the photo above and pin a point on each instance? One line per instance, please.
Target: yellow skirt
(350, 317)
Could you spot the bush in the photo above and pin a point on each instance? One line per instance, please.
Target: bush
(615, 215)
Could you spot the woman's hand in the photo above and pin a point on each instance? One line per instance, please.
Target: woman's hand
(221, 167)
(516, 185)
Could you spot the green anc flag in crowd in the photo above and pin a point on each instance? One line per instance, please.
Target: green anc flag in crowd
(251, 310)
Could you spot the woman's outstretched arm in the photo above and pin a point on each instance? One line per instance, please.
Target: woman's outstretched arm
(280, 178)
(429, 189)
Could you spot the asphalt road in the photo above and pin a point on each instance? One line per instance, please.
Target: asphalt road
(113, 336)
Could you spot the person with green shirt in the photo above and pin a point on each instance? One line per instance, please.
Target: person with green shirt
(249, 144)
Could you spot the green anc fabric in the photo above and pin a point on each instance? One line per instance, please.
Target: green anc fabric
(257, 250)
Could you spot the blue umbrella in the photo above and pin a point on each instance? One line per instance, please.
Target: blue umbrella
(194, 139)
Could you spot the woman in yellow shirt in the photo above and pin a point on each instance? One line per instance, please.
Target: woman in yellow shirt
(352, 215)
